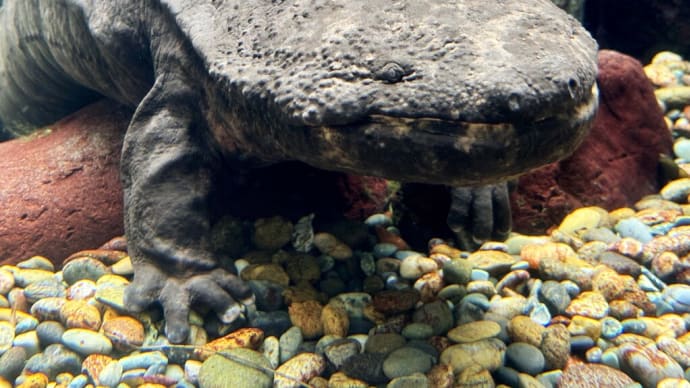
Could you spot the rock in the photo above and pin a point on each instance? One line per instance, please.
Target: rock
(406, 361)
(524, 358)
(522, 329)
(487, 353)
(391, 302)
(126, 333)
(341, 350)
(593, 375)
(12, 362)
(474, 331)
(589, 304)
(384, 343)
(232, 371)
(300, 368)
(271, 233)
(436, 314)
(59, 181)
(647, 365)
(599, 172)
(367, 367)
(307, 316)
(555, 346)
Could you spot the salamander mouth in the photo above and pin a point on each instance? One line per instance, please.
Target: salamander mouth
(439, 151)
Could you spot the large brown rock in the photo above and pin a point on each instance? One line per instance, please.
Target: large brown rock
(60, 188)
(616, 164)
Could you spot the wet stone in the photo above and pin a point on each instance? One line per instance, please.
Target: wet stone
(220, 371)
(589, 304)
(367, 367)
(524, 358)
(83, 268)
(488, 354)
(457, 271)
(86, 341)
(12, 362)
(417, 331)
(272, 323)
(406, 361)
(44, 288)
(269, 295)
(621, 264)
(6, 281)
(50, 332)
(301, 368)
(290, 341)
(646, 365)
(395, 301)
(126, 333)
(474, 331)
(436, 314)
(412, 381)
(523, 329)
(384, 343)
(55, 359)
(554, 295)
(341, 350)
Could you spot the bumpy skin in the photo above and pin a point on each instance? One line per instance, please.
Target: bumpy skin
(458, 92)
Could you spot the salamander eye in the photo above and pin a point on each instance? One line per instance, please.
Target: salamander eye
(391, 72)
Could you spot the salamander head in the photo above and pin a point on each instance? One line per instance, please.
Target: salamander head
(455, 92)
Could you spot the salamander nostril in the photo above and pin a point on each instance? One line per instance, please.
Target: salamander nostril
(572, 86)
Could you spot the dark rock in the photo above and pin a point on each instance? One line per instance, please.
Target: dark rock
(12, 362)
(616, 164)
(367, 367)
(61, 188)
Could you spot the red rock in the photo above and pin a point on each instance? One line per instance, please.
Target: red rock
(61, 188)
(616, 164)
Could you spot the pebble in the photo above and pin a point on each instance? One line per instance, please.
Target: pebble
(646, 365)
(488, 353)
(86, 342)
(474, 331)
(405, 361)
(236, 368)
(300, 368)
(524, 358)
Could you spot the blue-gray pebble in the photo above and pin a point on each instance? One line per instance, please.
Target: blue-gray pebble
(524, 358)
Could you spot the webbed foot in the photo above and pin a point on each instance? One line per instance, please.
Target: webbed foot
(478, 214)
(218, 289)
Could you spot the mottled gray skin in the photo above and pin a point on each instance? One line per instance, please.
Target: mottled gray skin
(455, 92)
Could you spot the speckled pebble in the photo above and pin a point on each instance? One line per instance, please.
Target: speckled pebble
(301, 368)
(126, 333)
(340, 350)
(647, 365)
(589, 304)
(307, 316)
(231, 370)
(290, 342)
(80, 314)
(489, 354)
(522, 329)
